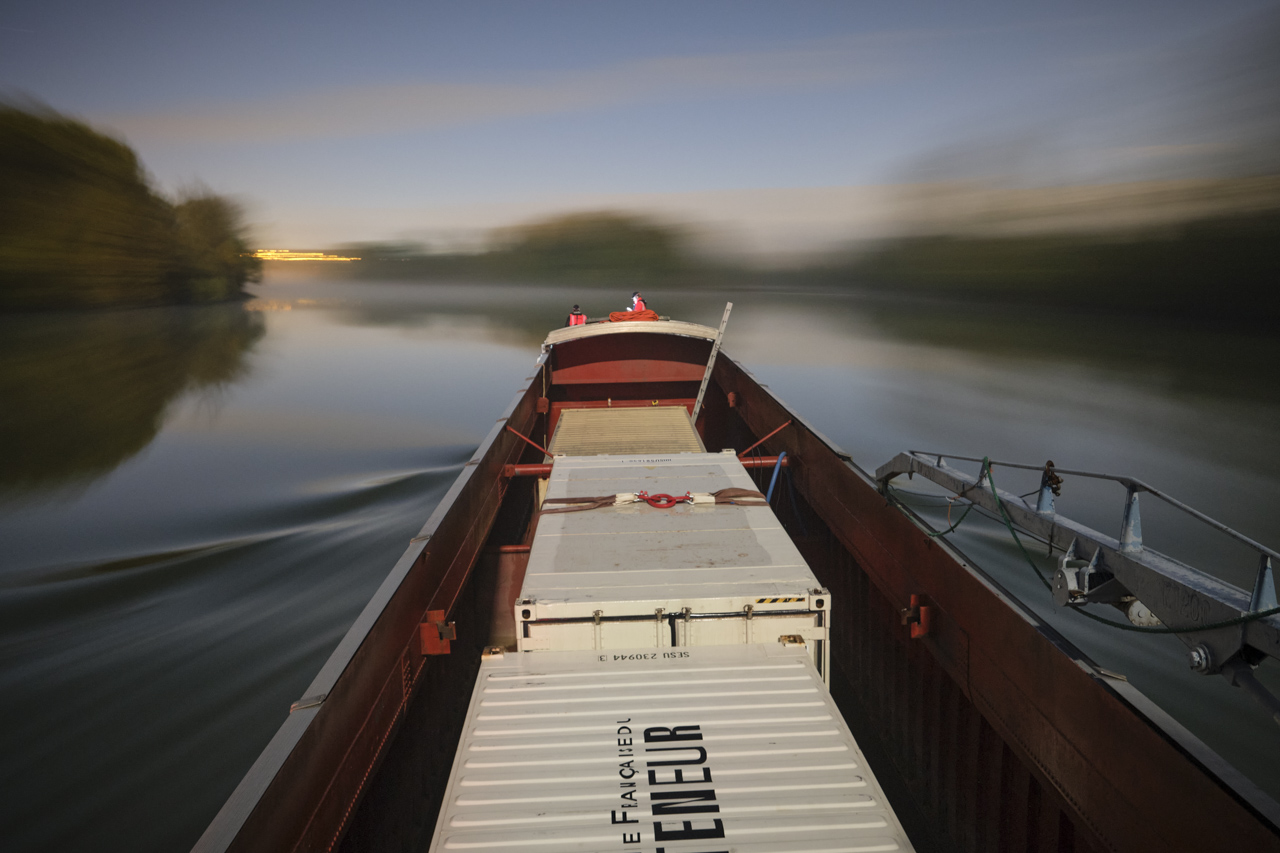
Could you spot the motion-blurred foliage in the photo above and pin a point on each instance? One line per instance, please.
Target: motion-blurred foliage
(216, 263)
(592, 248)
(593, 245)
(80, 227)
(1224, 268)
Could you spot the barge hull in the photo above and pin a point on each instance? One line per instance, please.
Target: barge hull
(998, 733)
(1006, 735)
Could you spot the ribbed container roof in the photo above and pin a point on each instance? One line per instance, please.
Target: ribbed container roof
(716, 748)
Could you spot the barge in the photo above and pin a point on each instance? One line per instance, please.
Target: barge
(649, 546)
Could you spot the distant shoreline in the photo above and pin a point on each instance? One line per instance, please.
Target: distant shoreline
(1222, 270)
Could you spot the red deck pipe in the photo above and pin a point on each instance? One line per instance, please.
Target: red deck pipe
(531, 470)
(534, 443)
(757, 444)
(764, 462)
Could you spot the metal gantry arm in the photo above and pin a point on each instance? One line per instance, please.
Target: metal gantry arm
(1149, 587)
(711, 363)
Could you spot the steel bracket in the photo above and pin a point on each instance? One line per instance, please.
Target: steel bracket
(919, 616)
(436, 633)
(1078, 582)
(308, 702)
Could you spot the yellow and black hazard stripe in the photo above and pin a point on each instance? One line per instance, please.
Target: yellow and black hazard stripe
(784, 600)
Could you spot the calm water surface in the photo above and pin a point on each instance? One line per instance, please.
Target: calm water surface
(196, 503)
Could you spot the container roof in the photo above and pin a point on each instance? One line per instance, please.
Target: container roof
(570, 751)
(674, 557)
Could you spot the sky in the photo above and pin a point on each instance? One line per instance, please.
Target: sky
(774, 125)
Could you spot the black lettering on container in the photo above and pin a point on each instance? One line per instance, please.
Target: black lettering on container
(701, 759)
(665, 735)
(683, 802)
(687, 832)
(679, 777)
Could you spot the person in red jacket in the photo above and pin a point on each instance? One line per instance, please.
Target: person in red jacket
(576, 318)
(637, 302)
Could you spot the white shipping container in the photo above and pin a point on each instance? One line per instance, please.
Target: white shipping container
(632, 575)
(719, 748)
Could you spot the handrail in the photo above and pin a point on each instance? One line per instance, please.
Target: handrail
(1128, 482)
(1215, 619)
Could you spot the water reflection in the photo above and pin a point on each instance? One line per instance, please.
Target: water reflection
(509, 314)
(796, 322)
(83, 392)
(1182, 358)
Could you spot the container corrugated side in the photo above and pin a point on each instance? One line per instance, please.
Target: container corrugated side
(703, 749)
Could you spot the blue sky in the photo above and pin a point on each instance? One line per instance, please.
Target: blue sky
(361, 121)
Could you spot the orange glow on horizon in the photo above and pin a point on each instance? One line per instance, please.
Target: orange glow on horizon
(287, 255)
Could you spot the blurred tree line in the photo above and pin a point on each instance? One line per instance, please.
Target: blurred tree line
(595, 245)
(80, 227)
(1224, 268)
(607, 248)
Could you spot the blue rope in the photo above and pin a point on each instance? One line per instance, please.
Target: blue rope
(795, 502)
(777, 466)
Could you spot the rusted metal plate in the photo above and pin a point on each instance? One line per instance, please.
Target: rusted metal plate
(648, 357)
(631, 370)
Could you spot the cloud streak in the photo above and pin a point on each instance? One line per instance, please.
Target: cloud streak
(416, 106)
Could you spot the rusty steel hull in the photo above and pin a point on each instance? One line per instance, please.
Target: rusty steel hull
(991, 733)
(302, 792)
(1006, 737)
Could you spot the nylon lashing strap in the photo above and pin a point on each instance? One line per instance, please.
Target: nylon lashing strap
(734, 496)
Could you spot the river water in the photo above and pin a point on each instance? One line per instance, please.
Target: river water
(195, 503)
